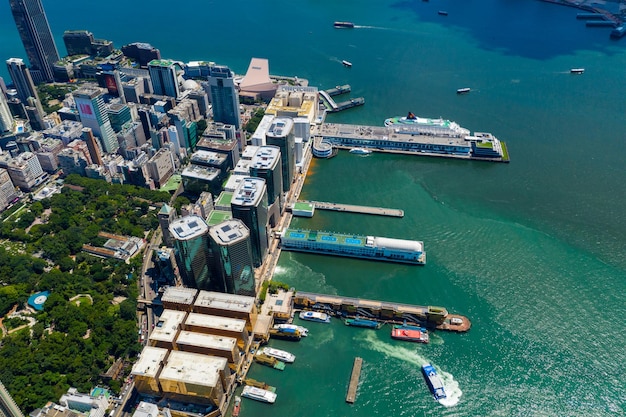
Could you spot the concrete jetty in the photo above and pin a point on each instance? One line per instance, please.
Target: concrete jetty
(350, 208)
(354, 380)
(431, 317)
(338, 90)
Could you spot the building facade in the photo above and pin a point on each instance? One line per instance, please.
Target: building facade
(224, 97)
(190, 236)
(249, 204)
(93, 114)
(280, 134)
(231, 257)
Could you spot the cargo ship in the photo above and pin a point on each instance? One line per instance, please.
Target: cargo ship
(258, 394)
(343, 25)
(360, 322)
(314, 316)
(427, 126)
(435, 385)
(410, 333)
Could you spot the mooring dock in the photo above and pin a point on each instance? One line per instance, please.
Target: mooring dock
(350, 208)
(354, 380)
(333, 107)
(391, 312)
(338, 90)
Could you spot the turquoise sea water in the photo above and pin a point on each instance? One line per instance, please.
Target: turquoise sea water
(532, 251)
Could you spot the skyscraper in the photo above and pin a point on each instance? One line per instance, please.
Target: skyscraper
(32, 24)
(92, 146)
(281, 134)
(6, 120)
(93, 114)
(22, 79)
(266, 164)
(190, 235)
(231, 257)
(164, 77)
(224, 96)
(249, 204)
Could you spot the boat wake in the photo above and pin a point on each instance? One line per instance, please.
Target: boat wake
(370, 27)
(453, 391)
(451, 386)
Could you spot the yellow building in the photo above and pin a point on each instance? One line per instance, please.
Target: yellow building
(294, 101)
(196, 378)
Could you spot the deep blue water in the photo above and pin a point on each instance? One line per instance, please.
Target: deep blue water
(532, 251)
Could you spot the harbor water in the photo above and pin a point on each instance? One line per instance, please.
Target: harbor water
(531, 251)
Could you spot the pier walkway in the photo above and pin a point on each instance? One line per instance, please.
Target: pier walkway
(328, 99)
(354, 380)
(350, 208)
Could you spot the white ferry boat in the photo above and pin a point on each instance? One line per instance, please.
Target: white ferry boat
(259, 394)
(304, 332)
(360, 151)
(427, 126)
(315, 316)
(281, 355)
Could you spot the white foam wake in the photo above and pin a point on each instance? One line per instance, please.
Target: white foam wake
(451, 386)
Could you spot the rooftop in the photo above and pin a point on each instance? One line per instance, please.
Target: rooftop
(216, 322)
(193, 368)
(218, 216)
(188, 227)
(266, 157)
(149, 362)
(223, 301)
(229, 231)
(201, 172)
(208, 341)
(341, 239)
(179, 295)
(249, 192)
(168, 325)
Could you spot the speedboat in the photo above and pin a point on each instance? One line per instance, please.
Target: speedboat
(434, 382)
(577, 70)
(346, 63)
(315, 316)
(463, 90)
(360, 151)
